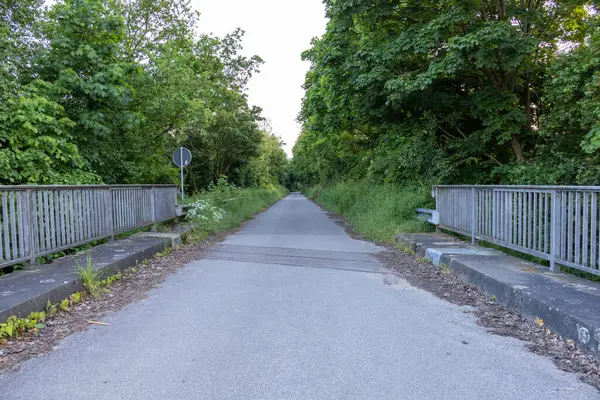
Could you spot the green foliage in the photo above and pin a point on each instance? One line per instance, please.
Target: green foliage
(35, 143)
(270, 167)
(76, 297)
(164, 253)
(195, 236)
(452, 92)
(16, 327)
(224, 206)
(445, 269)
(103, 91)
(105, 283)
(379, 212)
(51, 309)
(90, 278)
(64, 305)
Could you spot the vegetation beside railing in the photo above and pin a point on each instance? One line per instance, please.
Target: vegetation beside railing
(379, 212)
(223, 206)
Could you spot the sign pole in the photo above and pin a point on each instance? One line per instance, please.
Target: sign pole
(182, 158)
(181, 155)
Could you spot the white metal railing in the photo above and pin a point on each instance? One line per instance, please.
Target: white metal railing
(556, 223)
(40, 220)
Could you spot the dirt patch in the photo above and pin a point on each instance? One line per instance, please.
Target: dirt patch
(498, 319)
(132, 287)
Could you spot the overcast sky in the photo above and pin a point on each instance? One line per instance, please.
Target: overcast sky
(278, 31)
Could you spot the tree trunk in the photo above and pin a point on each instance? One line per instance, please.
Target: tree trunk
(516, 146)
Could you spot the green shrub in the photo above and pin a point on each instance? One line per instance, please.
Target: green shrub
(379, 212)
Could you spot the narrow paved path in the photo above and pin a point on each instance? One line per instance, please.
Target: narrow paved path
(290, 308)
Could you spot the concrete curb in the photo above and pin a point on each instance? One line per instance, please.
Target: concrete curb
(568, 305)
(27, 291)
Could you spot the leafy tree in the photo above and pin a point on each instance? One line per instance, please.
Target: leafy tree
(91, 81)
(35, 144)
(35, 141)
(444, 91)
(150, 24)
(270, 167)
(104, 91)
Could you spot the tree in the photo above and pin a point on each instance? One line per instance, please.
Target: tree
(36, 145)
(270, 167)
(105, 90)
(92, 83)
(394, 86)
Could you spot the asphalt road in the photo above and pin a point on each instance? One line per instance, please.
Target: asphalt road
(290, 307)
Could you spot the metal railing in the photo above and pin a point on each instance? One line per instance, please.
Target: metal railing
(556, 223)
(40, 220)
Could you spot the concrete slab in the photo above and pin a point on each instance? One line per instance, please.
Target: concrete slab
(435, 253)
(174, 239)
(29, 290)
(568, 305)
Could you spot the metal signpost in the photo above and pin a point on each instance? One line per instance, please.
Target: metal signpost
(182, 158)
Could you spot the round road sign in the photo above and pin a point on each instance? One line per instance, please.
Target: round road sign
(182, 157)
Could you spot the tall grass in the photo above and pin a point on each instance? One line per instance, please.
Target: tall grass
(224, 207)
(90, 277)
(379, 212)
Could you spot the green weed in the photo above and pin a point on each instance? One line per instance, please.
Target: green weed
(16, 327)
(164, 253)
(105, 283)
(195, 236)
(64, 305)
(90, 278)
(406, 248)
(445, 269)
(75, 298)
(51, 309)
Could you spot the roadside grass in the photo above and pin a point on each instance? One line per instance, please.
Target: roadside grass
(379, 212)
(223, 207)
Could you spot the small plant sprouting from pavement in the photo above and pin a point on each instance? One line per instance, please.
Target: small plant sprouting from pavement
(15, 327)
(51, 309)
(424, 260)
(164, 253)
(406, 248)
(445, 269)
(64, 305)
(90, 278)
(196, 235)
(105, 283)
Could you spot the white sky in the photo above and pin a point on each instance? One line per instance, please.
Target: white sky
(278, 31)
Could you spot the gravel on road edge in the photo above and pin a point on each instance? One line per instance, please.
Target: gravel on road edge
(496, 318)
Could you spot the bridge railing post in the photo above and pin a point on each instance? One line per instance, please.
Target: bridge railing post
(474, 213)
(554, 230)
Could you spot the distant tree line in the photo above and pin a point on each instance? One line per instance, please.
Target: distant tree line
(105, 90)
(453, 91)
